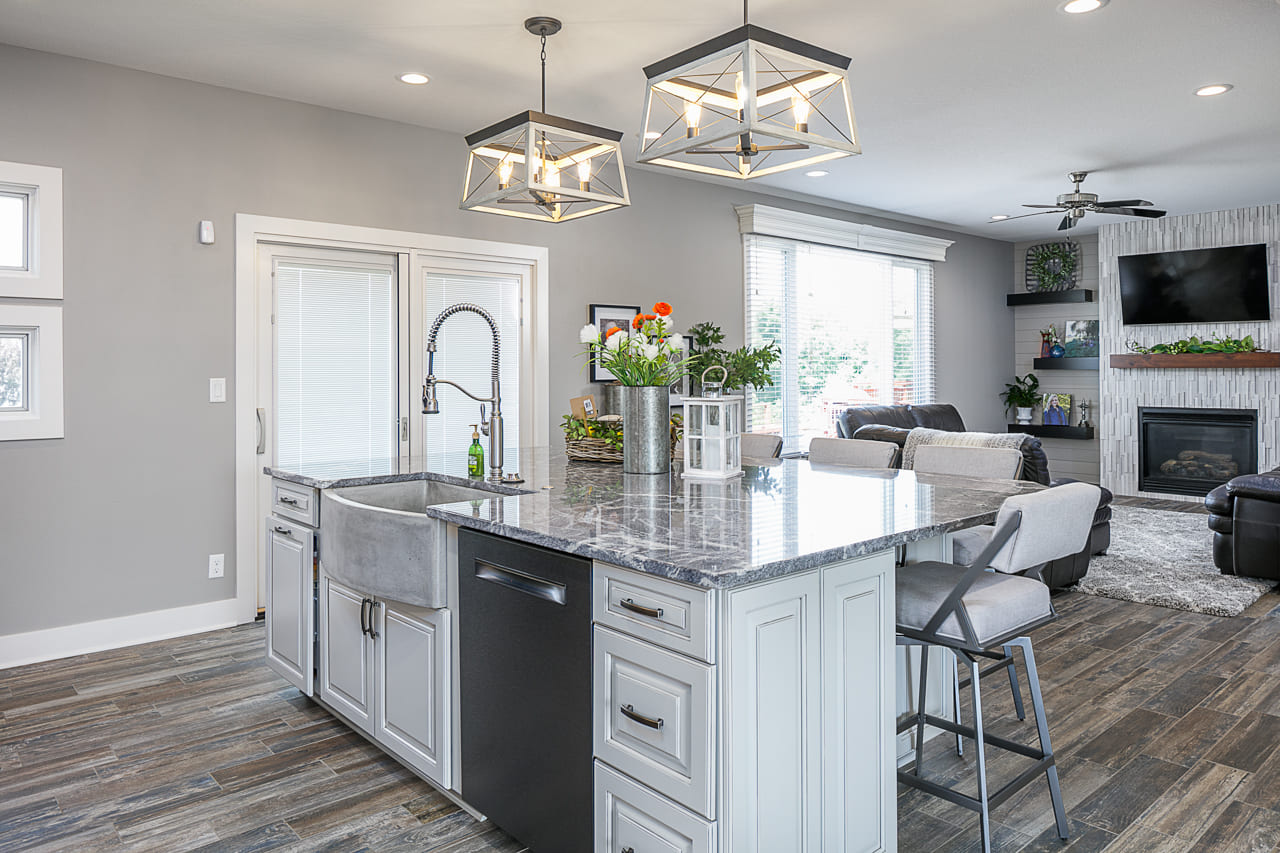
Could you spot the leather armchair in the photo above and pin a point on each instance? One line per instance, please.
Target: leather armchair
(893, 423)
(1244, 516)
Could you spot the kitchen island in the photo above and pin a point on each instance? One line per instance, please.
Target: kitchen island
(737, 658)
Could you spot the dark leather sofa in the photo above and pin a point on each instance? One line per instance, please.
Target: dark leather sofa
(892, 423)
(1244, 516)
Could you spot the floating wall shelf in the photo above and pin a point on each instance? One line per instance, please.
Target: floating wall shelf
(1194, 360)
(1066, 363)
(1042, 431)
(1077, 295)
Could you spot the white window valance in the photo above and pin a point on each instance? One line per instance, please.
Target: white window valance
(792, 225)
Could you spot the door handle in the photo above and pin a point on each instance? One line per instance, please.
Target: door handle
(261, 415)
(629, 712)
(651, 612)
(520, 582)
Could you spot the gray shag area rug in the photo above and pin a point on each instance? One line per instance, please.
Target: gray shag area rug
(1166, 559)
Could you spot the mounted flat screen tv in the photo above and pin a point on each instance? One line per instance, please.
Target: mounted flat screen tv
(1196, 286)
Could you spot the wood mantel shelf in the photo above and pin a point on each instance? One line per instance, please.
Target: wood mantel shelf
(1193, 360)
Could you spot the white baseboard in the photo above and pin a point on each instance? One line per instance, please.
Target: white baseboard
(79, 639)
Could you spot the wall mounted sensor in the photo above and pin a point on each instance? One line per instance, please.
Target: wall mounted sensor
(206, 232)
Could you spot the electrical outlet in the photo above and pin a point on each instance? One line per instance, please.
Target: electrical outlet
(216, 564)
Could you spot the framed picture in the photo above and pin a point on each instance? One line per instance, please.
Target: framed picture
(1057, 410)
(1081, 339)
(605, 317)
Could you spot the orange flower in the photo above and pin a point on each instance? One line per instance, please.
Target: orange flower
(637, 321)
(612, 331)
(662, 309)
(651, 316)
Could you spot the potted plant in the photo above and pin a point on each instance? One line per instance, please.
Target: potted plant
(1021, 395)
(743, 366)
(647, 359)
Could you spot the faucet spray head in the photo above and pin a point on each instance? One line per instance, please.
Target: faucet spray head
(430, 405)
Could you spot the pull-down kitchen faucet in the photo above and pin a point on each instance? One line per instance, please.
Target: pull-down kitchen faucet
(492, 425)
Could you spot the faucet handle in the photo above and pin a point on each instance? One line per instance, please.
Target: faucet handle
(484, 421)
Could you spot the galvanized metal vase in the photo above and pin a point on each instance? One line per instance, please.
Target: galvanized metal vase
(646, 429)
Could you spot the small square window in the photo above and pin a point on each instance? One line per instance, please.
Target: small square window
(14, 371)
(13, 231)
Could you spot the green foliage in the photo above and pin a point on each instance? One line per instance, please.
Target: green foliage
(578, 428)
(1052, 265)
(1021, 393)
(745, 365)
(1194, 344)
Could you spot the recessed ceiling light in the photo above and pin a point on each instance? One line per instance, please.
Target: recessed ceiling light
(1214, 89)
(817, 173)
(414, 78)
(999, 216)
(1079, 7)
(652, 134)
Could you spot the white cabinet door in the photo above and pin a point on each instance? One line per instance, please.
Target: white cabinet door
(858, 771)
(289, 605)
(773, 714)
(346, 653)
(412, 652)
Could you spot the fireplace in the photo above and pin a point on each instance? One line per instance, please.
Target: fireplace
(1190, 451)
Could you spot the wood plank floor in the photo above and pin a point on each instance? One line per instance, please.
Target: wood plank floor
(1166, 725)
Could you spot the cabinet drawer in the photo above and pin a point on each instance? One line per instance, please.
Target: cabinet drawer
(631, 817)
(669, 614)
(653, 719)
(296, 502)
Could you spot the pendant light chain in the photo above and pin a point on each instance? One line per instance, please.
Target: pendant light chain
(745, 20)
(544, 72)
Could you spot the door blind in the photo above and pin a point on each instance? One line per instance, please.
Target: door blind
(463, 350)
(855, 329)
(336, 355)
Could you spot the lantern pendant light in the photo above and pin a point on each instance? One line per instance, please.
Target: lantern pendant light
(544, 167)
(747, 104)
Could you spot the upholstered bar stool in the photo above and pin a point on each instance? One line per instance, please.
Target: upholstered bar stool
(854, 452)
(760, 445)
(980, 612)
(991, 463)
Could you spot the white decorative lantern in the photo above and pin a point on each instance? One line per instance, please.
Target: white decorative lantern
(712, 436)
(748, 104)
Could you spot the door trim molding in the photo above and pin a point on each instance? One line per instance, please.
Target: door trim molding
(251, 230)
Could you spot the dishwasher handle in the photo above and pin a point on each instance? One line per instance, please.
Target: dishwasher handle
(521, 582)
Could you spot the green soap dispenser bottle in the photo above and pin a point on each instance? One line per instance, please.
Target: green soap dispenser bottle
(475, 454)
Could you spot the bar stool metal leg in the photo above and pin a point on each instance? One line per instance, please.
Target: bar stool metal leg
(920, 707)
(1042, 729)
(955, 698)
(980, 752)
(1013, 682)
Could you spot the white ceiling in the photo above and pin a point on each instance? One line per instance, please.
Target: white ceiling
(967, 108)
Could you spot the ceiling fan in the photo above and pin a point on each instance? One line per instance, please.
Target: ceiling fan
(1076, 204)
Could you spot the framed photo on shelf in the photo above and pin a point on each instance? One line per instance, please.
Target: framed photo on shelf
(1057, 409)
(605, 317)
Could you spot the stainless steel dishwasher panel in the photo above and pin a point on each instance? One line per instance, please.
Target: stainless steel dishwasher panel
(524, 617)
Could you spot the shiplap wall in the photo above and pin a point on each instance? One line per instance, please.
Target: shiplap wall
(1067, 457)
(1125, 390)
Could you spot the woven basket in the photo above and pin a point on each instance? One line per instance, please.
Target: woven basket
(596, 450)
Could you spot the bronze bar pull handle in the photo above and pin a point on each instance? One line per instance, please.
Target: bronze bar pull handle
(630, 713)
(651, 612)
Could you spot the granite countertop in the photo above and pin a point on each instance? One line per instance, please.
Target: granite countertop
(778, 518)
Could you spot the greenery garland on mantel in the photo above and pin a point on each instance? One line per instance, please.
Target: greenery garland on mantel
(1052, 266)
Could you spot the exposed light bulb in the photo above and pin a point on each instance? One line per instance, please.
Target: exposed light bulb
(552, 177)
(800, 108)
(584, 174)
(505, 167)
(692, 115)
(741, 89)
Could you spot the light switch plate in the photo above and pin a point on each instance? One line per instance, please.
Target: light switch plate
(217, 390)
(217, 564)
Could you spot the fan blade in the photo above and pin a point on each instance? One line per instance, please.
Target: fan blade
(1068, 221)
(1149, 213)
(1025, 215)
(1131, 202)
(1054, 206)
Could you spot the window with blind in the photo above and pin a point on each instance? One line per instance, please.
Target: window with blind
(855, 328)
(336, 363)
(463, 355)
(13, 230)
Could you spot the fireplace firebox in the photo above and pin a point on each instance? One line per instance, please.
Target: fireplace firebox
(1190, 451)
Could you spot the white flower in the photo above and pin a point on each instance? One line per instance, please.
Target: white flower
(589, 334)
(615, 340)
(676, 340)
(650, 351)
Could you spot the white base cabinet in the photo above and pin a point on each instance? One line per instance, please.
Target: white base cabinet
(290, 612)
(383, 667)
(798, 719)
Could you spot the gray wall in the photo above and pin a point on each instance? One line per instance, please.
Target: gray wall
(120, 516)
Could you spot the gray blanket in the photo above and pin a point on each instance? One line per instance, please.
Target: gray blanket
(924, 435)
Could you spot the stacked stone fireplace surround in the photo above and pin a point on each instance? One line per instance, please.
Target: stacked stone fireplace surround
(1122, 392)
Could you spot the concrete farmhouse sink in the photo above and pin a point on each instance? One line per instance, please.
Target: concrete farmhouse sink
(377, 539)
